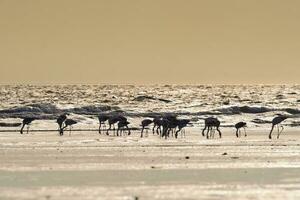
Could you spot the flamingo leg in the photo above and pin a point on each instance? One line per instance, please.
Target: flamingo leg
(220, 134)
(153, 128)
(203, 131)
(109, 128)
(128, 130)
(114, 130)
(280, 131)
(207, 132)
(142, 131)
(176, 133)
(70, 131)
(212, 132)
(21, 131)
(270, 135)
(100, 127)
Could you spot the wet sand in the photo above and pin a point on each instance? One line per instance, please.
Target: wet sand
(93, 166)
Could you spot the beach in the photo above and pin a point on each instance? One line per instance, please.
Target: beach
(87, 165)
(214, 83)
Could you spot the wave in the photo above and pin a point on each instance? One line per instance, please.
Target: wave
(292, 111)
(144, 97)
(50, 111)
(244, 109)
(261, 121)
(6, 124)
(93, 110)
(232, 110)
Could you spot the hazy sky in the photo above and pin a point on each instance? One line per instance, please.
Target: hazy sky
(150, 41)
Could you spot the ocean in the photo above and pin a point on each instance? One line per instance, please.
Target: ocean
(254, 104)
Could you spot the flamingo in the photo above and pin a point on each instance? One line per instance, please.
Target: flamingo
(60, 121)
(102, 119)
(181, 123)
(276, 122)
(121, 127)
(211, 122)
(27, 121)
(112, 120)
(70, 123)
(238, 126)
(145, 123)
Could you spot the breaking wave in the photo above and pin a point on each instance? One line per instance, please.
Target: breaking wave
(244, 109)
(50, 111)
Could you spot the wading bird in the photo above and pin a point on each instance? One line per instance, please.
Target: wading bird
(26, 121)
(112, 120)
(121, 127)
(145, 123)
(276, 122)
(157, 121)
(238, 127)
(70, 123)
(211, 123)
(181, 124)
(165, 124)
(60, 121)
(102, 119)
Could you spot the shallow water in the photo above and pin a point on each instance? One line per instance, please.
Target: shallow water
(87, 165)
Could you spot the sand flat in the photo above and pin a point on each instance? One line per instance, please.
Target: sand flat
(92, 166)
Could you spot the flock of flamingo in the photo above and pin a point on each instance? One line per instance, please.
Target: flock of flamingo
(162, 125)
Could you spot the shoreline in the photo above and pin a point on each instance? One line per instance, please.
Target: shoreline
(87, 165)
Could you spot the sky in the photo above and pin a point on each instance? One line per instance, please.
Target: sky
(149, 41)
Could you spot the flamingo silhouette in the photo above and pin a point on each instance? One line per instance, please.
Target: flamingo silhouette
(145, 123)
(112, 120)
(210, 123)
(70, 123)
(238, 127)
(181, 124)
(102, 119)
(26, 122)
(121, 127)
(60, 121)
(276, 122)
